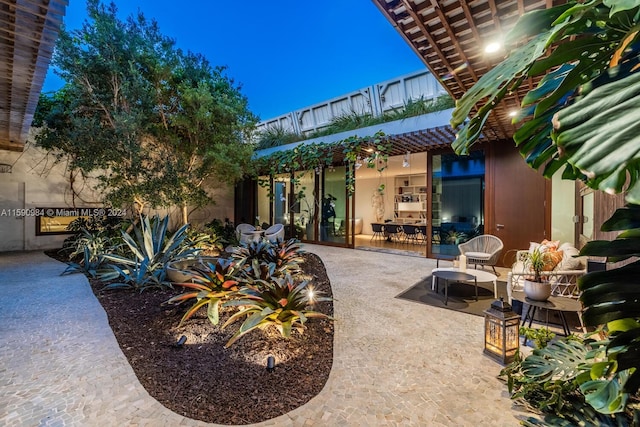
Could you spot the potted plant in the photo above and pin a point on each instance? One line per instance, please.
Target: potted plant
(536, 287)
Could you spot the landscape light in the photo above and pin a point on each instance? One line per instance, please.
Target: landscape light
(271, 363)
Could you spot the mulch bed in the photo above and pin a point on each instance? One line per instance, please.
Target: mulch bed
(205, 381)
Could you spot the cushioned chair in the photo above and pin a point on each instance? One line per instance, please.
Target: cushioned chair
(377, 230)
(274, 233)
(411, 233)
(482, 250)
(244, 232)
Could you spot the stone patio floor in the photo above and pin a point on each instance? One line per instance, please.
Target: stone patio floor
(396, 363)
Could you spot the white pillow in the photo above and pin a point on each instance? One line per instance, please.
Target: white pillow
(568, 261)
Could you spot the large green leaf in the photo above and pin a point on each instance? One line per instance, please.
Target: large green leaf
(560, 360)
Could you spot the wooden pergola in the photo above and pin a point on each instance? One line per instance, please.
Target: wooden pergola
(451, 37)
(28, 33)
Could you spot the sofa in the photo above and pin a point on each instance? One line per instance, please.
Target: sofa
(563, 276)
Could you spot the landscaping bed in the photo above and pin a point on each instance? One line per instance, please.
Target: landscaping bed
(205, 381)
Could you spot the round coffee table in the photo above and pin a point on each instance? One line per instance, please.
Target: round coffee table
(454, 275)
(480, 275)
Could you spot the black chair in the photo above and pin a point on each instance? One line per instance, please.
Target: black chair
(411, 233)
(392, 231)
(378, 230)
(422, 230)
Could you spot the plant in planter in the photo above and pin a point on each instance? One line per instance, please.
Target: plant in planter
(535, 287)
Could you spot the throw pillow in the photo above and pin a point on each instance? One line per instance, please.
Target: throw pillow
(553, 258)
(568, 261)
(551, 244)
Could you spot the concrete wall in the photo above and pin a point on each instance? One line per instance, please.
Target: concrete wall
(33, 183)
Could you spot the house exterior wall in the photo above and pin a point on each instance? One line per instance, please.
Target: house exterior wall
(34, 183)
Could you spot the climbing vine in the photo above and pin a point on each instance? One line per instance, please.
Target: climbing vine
(372, 151)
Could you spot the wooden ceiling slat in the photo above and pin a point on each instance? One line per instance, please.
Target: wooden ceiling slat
(28, 32)
(449, 36)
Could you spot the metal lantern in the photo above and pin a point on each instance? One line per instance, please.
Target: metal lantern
(501, 332)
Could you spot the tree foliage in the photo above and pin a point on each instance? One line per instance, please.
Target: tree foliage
(150, 121)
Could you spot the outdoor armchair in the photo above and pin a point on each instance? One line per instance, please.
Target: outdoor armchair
(274, 233)
(483, 250)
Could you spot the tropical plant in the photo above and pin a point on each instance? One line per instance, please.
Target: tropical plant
(278, 302)
(558, 380)
(91, 248)
(581, 116)
(536, 261)
(225, 232)
(99, 232)
(285, 256)
(150, 249)
(213, 284)
(539, 336)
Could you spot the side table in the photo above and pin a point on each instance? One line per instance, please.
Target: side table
(553, 303)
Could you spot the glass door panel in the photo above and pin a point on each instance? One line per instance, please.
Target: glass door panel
(305, 206)
(457, 200)
(333, 206)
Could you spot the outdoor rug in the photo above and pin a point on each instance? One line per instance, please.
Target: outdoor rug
(461, 295)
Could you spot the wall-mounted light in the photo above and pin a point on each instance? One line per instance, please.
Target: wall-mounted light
(406, 161)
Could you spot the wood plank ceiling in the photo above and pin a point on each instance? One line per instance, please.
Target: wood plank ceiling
(450, 36)
(28, 32)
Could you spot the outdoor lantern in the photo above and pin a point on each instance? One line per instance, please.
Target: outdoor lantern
(501, 332)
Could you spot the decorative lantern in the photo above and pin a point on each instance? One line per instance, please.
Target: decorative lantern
(501, 332)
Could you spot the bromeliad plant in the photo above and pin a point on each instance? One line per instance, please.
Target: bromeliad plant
(213, 285)
(286, 256)
(280, 302)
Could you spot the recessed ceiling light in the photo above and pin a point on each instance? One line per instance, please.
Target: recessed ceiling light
(513, 113)
(492, 47)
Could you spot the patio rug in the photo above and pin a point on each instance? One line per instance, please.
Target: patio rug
(461, 295)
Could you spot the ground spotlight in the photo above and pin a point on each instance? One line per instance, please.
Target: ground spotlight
(271, 364)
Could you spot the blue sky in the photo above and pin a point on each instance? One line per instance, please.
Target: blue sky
(287, 54)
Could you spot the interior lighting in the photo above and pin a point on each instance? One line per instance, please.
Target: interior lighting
(406, 161)
(358, 163)
(492, 47)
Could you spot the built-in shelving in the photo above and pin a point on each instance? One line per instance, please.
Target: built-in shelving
(410, 199)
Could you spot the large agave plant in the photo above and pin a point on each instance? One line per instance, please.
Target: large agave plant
(279, 303)
(150, 250)
(213, 285)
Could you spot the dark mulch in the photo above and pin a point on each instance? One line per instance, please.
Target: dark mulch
(205, 381)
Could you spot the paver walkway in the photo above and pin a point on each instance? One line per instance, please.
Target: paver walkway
(396, 363)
